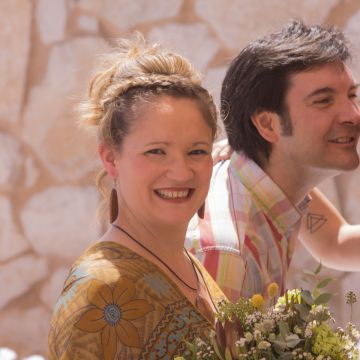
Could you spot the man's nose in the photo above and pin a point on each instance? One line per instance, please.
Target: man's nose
(351, 114)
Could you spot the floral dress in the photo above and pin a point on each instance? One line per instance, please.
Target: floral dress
(117, 305)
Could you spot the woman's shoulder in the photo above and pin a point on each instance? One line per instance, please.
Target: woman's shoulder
(114, 293)
(104, 265)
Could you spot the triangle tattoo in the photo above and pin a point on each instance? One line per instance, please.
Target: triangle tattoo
(315, 221)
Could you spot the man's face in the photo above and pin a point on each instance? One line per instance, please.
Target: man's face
(324, 112)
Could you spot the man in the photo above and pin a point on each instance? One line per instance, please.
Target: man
(290, 109)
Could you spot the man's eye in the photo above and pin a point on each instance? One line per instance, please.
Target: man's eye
(155, 152)
(323, 101)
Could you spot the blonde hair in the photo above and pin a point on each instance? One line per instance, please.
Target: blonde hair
(132, 75)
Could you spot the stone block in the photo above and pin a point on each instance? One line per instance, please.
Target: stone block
(351, 30)
(124, 14)
(87, 23)
(12, 242)
(10, 160)
(18, 276)
(31, 172)
(213, 80)
(248, 19)
(50, 118)
(60, 221)
(25, 330)
(52, 289)
(51, 20)
(185, 38)
(15, 20)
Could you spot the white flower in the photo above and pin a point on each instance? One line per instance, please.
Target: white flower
(263, 345)
(248, 336)
(308, 332)
(268, 325)
(257, 334)
(241, 342)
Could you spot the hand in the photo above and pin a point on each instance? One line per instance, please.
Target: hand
(221, 151)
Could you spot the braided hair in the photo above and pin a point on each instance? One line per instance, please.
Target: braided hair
(132, 76)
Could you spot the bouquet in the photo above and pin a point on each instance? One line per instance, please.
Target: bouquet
(298, 325)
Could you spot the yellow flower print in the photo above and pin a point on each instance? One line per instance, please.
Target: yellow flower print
(113, 309)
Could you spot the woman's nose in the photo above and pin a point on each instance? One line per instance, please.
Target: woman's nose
(180, 169)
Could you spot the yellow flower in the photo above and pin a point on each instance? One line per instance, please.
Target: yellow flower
(272, 289)
(258, 301)
(113, 308)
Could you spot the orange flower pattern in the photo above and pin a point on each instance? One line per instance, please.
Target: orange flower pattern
(117, 305)
(112, 313)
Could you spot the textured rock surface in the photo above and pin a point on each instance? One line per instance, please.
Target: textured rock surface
(125, 14)
(10, 160)
(29, 333)
(352, 29)
(60, 221)
(193, 41)
(47, 198)
(247, 19)
(12, 242)
(15, 20)
(51, 20)
(58, 142)
(19, 276)
(50, 292)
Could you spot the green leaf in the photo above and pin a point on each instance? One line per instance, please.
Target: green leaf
(303, 310)
(292, 340)
(308, 344)
(304, 279)
(323, 283)
(284, 329)
(323, 298)
(286, 356)
(318, 269)
(216, 349)
(279, 346)
(323, 317)
(306, 295)
(228, 354)
(308, 272)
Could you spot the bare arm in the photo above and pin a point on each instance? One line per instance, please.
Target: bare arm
(221, 151)
(328, 237)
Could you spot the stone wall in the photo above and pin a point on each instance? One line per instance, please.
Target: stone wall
(47, 167)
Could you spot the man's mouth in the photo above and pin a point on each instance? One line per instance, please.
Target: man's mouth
(343, 140)
(173, 194)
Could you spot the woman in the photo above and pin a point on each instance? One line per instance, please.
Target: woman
(137, 293)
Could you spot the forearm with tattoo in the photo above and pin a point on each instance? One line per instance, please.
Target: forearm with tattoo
(314, 222)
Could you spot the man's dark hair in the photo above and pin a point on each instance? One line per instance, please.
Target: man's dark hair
(258, 80)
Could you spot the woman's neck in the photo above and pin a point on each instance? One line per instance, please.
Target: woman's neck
(165, 240)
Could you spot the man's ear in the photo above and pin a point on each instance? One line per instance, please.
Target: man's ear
(267, 124)
(108, 155)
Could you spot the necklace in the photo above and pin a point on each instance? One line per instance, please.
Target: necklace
(164, 263)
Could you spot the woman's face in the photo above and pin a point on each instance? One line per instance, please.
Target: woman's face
(164, 167)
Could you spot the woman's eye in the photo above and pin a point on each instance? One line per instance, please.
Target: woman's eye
(155, 152)
(198, 152)
(353, 96)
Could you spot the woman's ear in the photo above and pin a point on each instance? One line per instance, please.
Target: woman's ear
(108, 155)
(267, 124)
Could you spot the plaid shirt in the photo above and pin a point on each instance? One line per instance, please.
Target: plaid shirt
(248, 234)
